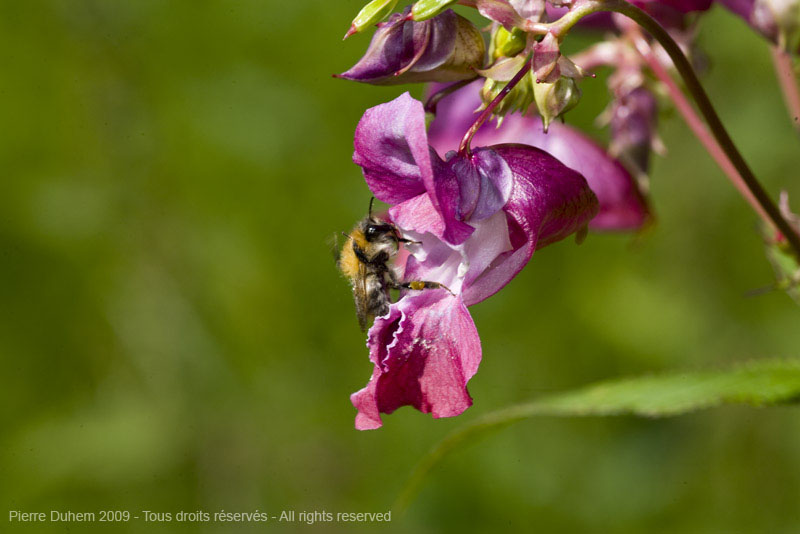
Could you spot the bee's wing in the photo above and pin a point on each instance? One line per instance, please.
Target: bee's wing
(360, 296)
(333, 246)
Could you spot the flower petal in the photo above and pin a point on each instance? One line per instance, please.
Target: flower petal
(484, 183)
(434, 260)
(391, 146)
(621, 206)
(548, 202)
(424, 351)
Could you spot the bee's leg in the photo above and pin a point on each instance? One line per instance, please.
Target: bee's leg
(418, 285)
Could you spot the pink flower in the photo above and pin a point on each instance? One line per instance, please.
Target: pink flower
(478, 219)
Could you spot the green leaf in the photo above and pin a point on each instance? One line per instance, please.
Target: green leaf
(757, 383)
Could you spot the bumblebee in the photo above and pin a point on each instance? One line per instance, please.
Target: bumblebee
(366, 259)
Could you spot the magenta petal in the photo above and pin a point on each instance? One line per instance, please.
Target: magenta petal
(457, 267)
(621, 205)
(446, 197)
(418, 215)
(391, 147)
(484, 182)
(425, 351)
(548, 202)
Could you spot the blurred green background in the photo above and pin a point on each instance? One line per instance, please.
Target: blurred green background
(175, 336)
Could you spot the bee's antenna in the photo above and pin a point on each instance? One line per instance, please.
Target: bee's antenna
(371, 200)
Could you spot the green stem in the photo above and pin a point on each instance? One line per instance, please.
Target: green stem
(433, 100)
(700, 97)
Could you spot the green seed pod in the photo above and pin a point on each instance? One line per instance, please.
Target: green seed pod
(427, 9)
(555, 99)
(371, 14)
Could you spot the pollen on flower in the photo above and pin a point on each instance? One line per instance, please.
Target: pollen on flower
(424, 343)
(463, 268)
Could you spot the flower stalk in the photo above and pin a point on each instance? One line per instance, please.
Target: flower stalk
(756, 192)
(784, 71)
(700, 97)
(463, 148)
(433, 100)
(695, 123)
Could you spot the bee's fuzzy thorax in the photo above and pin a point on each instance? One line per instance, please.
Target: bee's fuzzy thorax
(348, 261)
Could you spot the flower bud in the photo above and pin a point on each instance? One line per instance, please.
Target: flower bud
(508, 43)
(529, 9)
(549, 64)
(555, 99)
(370, 14)
(445, 48)
(521, 95)
(427, 9)
(633, 121)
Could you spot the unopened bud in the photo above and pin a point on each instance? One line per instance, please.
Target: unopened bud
(508, 43)
(518, 99)
(426, 9)
(371, 14)
(446, 48)
(555, 99)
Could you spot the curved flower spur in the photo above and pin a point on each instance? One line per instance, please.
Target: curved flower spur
(477, 217)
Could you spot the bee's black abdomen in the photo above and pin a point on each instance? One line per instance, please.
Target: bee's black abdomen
(377, 296)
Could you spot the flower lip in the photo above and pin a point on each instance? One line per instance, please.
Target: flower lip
(424, 352)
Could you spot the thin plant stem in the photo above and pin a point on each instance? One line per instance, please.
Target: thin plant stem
(433, 100)
(463, 148)
(700, 97)
(784, 71)
(697, 126)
